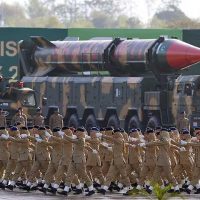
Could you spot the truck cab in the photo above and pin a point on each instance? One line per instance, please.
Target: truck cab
(14, 95)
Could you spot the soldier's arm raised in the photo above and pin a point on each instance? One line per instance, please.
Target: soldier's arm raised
(111, 139)
(70, 139)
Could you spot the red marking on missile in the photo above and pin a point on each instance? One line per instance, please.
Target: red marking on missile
(181, 55)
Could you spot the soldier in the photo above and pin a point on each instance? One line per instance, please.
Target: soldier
(38, 119)
(163, 164)
(196, 170)
(56, 154)
(41, 159)
(118, 165)
(18, 118)
(183, 122)
(134, 158)
(149, 161)
(24, 156)
(13, 152)
(2, 119)
(4, 153)
(23, 115)
(56, 120)
(78, 164)
(93, 158)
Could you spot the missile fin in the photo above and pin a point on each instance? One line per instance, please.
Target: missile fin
(42, 42)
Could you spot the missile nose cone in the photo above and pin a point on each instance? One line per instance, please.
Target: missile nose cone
(181, 55)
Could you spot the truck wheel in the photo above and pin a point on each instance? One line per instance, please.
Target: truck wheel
(113, 121)
(73, 121)
(133, 123)
(153, 122)
(90, 122)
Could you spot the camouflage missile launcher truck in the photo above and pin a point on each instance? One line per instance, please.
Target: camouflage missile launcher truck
(113, 82)
(13, 96)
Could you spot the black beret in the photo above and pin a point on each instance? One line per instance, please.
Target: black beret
(185, 132)
(13, 128)
(173, 128)
(122, 130)
(102, 129)
(2, 128)
(56, 129)
(139, 129)
(24, 128)
(149, 130)
(94, 129)
(65, 128)
(164, 129)
(197, 128)
(17, 124)
(133, 130)
(158, 128)
(47, 127)
(81, 129)
(30, 127)
(117, 130)
(36, 126)
(41, 128)
(109, 129)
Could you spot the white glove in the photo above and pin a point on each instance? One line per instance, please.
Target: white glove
(104, 144)
(23, 136)
(194, 139)
(61, 133)
(47, 134)
(94, 151)
(38, 139)
(74, 137)
(182, 149)
(4, 136)
(142, 144)
(98, 135)
(133, 139)
(110, 148)
(87, 137)
(183, 142)
(37, 136)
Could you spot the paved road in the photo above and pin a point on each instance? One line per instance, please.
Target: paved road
(20, 195)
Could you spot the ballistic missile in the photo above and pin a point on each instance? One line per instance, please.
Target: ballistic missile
(119, 57)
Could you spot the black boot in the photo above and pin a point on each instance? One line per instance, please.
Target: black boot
(44, 190)
(52, 190)
(26, 187)
(62, 185)
(90, 193)
(34, 188)
(102, 191)
(19, 183)
(10, 187)
(2, 186)
(40, 185)
(96, 185)
(78, 191)
(198, 191)
(149, 190)
(63, 193)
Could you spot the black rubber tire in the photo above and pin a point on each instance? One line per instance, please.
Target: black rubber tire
(73, 121)
(153, 122)
(133, 123)
(113, 121)
(90, 122)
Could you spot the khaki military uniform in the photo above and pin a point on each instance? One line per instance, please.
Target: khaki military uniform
(78, 163)
(56, 120)
(4, 155)
(3, 121)
(118, 165)
(56, 154)
(38, 120)
(24, 158)
(134, 163)
(94, 161)
(183, 123)
(163, 163)
(19, 118)
(41, 160)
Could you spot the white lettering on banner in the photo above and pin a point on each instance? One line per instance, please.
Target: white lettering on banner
(12, 69)
(8, 48)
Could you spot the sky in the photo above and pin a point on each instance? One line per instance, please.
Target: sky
(190, 7)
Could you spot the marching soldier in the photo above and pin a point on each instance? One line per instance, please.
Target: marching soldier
(183, 122)
(78, 164)
(18, 118)
(38, 119)
(56, 120)
(2, 119)
(23, 115)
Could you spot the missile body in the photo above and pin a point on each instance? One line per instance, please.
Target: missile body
(128, 57)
